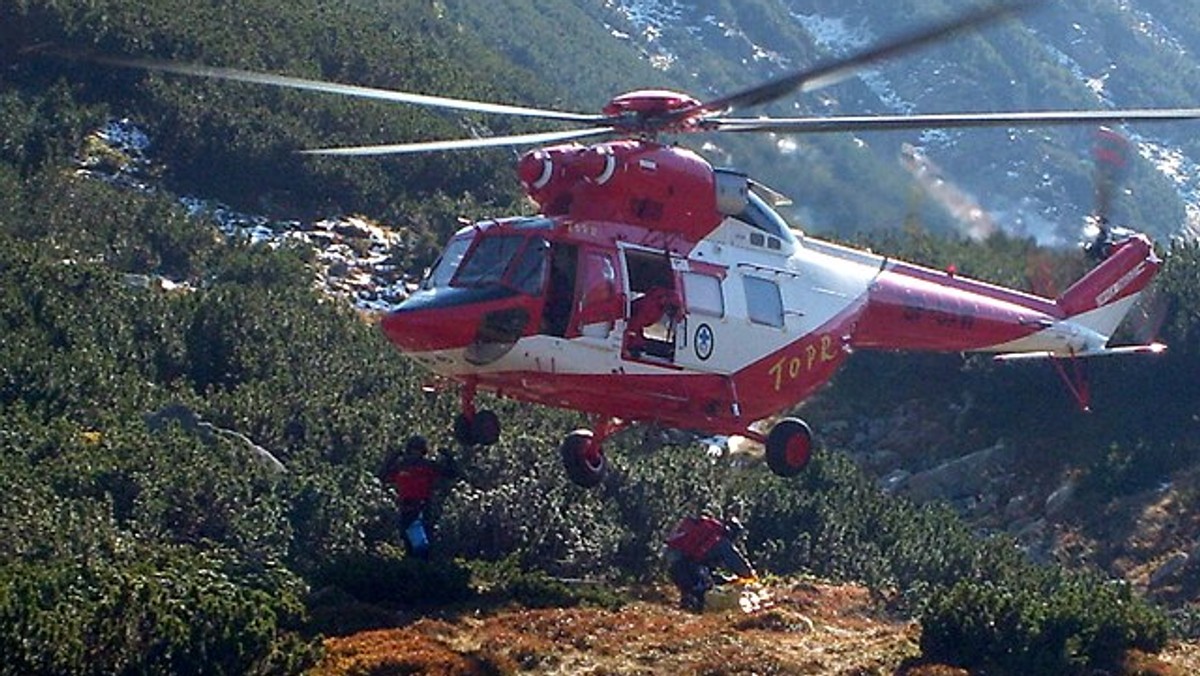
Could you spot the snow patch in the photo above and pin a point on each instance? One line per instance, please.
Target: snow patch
(841, 39)
(1169, 160)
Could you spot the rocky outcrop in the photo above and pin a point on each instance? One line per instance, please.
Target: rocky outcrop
(189, 421)
(353, 254)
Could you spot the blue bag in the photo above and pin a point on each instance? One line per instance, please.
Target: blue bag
(416, 536)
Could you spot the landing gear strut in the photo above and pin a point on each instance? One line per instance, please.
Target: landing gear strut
(789, 447)
(480, 429)
(475, 428)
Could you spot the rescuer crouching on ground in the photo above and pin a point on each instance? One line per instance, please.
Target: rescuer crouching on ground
(697, 547)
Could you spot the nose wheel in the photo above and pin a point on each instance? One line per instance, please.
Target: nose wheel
(583, 455)
(789, 447)
(475, 427)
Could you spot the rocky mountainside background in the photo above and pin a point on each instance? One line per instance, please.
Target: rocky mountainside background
(1087, 54)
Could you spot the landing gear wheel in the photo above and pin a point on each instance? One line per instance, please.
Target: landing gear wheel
(585, 465)
(481, 429)
(789, 447)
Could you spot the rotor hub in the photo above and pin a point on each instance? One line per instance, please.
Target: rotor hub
(633, 108)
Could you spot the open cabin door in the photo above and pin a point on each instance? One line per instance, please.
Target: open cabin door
(704, 335)
(600, 303)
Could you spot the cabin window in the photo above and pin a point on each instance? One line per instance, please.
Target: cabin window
(764, 304)
(703, 294)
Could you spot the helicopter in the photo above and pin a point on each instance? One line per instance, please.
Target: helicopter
(655, 288)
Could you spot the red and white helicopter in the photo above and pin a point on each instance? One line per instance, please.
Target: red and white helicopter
(654, 288)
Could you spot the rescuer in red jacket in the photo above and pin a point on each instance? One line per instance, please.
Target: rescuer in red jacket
(657, 304)
(414, 477)
(697, 546)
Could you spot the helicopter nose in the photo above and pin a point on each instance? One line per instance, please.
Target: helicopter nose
(469, 320)
(428, 329)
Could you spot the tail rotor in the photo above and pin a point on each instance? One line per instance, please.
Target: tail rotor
(1112, 156)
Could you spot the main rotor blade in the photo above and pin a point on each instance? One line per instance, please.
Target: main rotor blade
(803, 125)
(462, 144)
(341, 89)
(834, 71)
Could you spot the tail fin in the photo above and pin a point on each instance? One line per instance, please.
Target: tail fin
(1102, 297)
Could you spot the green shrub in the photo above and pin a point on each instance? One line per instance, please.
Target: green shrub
(164, 611)
(386, 576)
(538, 590)
(504, 580)
(1051, 622)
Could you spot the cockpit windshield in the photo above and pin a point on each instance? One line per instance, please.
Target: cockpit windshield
(517, 261)
(443, 270)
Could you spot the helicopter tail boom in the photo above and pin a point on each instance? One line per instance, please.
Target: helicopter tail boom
(914, 308)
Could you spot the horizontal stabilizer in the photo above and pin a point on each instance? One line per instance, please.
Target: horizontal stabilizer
(1150, 348)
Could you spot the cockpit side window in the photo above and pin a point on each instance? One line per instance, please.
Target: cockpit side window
(760, 216)
(529, 270)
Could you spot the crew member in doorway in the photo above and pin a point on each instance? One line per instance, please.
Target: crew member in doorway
(414, 477)
(702, 551)
(659, 303)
